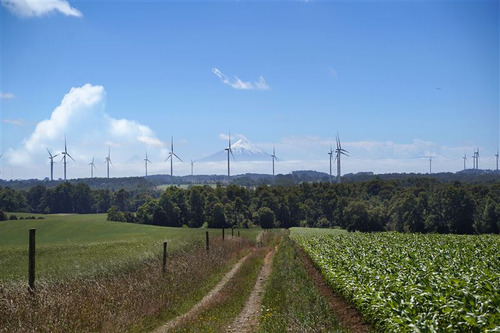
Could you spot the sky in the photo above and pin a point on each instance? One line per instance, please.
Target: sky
(398, 81)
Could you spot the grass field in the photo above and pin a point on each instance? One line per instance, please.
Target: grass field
(69, 246)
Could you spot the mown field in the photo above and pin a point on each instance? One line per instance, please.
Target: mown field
(413, 282)
(71, 246)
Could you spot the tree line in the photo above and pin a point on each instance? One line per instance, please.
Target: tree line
(407, 205)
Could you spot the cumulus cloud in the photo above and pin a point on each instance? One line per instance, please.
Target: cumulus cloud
(89, 130)
(37, 8)
(6, 95)
(237, 83)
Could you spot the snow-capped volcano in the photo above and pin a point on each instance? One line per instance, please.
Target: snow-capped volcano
(243, 150)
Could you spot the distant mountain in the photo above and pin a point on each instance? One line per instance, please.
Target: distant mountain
(243, 150)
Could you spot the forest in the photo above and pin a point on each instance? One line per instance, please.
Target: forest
(413, 204)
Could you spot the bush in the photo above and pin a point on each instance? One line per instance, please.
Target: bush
(13, 217)
(3, 216)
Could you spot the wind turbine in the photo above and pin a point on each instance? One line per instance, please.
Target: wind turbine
(146, 161)
(170, 156)
(51, 157)
(477, 158)
(192, 163)
(274, 157)
(92, 167)
(229, 150)
(331, 159)
(430, 165)
(108, 160)
(465, 159)
(497, 159)
(340, 151)
(65, 153)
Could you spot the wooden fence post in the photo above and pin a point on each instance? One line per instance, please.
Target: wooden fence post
(207, 244)
(222, 233)
(238, 233)
(31, 260)
(232, 231)
(164, 267)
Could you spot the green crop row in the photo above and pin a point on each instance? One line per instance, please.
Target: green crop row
(414, 282)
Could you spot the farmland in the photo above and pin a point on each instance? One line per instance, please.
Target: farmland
(413, 282)
(70, 246)
(96, 275)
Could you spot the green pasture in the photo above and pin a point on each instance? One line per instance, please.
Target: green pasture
(70, 246)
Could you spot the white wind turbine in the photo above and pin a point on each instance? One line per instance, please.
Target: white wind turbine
(331, 159)
(92, 167)
(51, 157)
(340, 151)
(229, 150)
(274, 157)
(108, 161)
(146, 161)
(171, 157)
(65, 153)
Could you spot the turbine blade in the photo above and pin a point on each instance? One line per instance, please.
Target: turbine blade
(49, 152)
(177, 157)
(168, 157)
(231, 151)
(70, 157)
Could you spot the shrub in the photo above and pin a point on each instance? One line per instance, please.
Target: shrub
(3, 216)
(13, 217)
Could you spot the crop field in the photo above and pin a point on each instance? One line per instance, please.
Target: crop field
(71, 246)
(413, 282)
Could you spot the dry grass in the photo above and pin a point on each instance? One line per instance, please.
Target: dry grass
(137, 300)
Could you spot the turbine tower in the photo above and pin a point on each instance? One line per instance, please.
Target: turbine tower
(274, 157)
(477, 159)
(51, 157)
(146, 161)
(92, 167)
(331, 159)
(65, 153)
(430, 165)
(192, 164)
(340, 151)
(229, 150)
(465, 159)
(108, 161)
(497, 158)
(170, 156)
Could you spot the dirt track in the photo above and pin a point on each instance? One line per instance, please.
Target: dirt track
(248, 319)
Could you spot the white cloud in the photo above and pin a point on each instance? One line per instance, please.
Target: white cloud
(6, 95)
(89, 130)
(32, 8)
(15, 122)
(237, 83)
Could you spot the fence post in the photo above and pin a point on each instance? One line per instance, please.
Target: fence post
(164, 267)
(232, 231)
(238, 233)
(31, 260)
(223, 233)
(207, 241)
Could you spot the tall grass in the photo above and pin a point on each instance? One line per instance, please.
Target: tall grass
(130, 300)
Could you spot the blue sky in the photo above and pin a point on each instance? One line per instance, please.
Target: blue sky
(398, 80)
